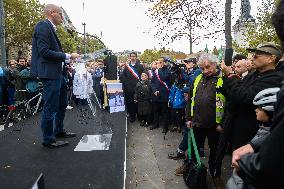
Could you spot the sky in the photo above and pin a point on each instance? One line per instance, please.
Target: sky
(125, 26)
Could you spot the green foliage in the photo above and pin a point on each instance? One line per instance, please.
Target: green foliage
(239, 49)
(22, 15)
(263, 31)
(149, 55)
(20, 18)
(73, 42)
(92, 44)
(68, 41)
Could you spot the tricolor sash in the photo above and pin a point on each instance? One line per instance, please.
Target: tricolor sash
(150, 72)
(133, 71)
(164, 83)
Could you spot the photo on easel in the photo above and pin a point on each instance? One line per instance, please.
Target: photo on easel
(115, 97)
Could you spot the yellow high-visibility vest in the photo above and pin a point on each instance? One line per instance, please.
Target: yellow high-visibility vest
(220, 98)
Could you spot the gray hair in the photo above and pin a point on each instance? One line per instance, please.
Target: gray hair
(211, 58)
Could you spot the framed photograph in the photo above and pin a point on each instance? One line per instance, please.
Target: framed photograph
(115, 97)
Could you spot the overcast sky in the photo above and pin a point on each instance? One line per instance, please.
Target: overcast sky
(124, 24)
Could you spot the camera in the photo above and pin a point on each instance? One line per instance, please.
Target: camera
(174, 66)
(176, 71)
(193, 60)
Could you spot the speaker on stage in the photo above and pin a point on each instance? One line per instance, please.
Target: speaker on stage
(110, 71)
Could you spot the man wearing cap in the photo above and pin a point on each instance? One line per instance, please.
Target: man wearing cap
(191, 72)
(242, 92)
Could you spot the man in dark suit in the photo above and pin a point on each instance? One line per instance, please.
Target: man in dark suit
(47, 64)
(129, 77)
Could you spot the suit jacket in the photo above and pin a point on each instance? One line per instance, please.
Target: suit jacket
(47, 55)
(128, 80)
(156, 85)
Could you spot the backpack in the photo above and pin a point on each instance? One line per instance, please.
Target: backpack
(176, 97)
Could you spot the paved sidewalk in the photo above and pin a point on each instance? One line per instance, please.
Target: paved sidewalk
(148, 166)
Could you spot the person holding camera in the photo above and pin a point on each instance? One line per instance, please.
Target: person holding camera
(242, 92)
(191, 71)
(263, 168)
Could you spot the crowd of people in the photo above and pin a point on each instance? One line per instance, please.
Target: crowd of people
(237, 107)
(232, 106)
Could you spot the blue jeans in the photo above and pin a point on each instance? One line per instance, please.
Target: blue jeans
(55, 103)
(184, 143)
(11, 94)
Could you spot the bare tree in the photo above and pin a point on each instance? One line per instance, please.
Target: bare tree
(191, 19)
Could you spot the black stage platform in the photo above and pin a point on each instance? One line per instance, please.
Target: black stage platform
(23, 159)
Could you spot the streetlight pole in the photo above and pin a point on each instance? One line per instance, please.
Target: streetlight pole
(2, 36)
(85, 48)
(84, 24)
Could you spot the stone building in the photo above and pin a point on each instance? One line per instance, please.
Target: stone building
(244, 21)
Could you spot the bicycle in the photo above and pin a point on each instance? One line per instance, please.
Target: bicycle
(23, 109)
(3, 114)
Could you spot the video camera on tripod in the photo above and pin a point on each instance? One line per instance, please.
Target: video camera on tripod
(176, 68)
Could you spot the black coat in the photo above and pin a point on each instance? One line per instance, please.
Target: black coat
(264, 169)
(128, 80)
(143, 95)
(241, 94)
(156, 85)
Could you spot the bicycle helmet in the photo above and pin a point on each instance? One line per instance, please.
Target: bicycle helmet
(266, 98)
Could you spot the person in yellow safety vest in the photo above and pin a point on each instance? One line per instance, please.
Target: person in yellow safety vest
(205, 109)
(220, 98)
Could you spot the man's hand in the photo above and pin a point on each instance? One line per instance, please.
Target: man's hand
(186, 96)
(239, 153)
(226, 69)
(156, 93)
(189, 124)
(219, 129)
(74, 56)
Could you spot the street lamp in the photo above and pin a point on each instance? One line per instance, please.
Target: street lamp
(84, 24)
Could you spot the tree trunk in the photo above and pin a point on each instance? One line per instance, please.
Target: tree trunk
(190, 44)
(190, 35)
(3, 59)
(228, 33)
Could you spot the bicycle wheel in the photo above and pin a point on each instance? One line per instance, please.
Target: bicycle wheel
(14, 116)
(3, 114)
